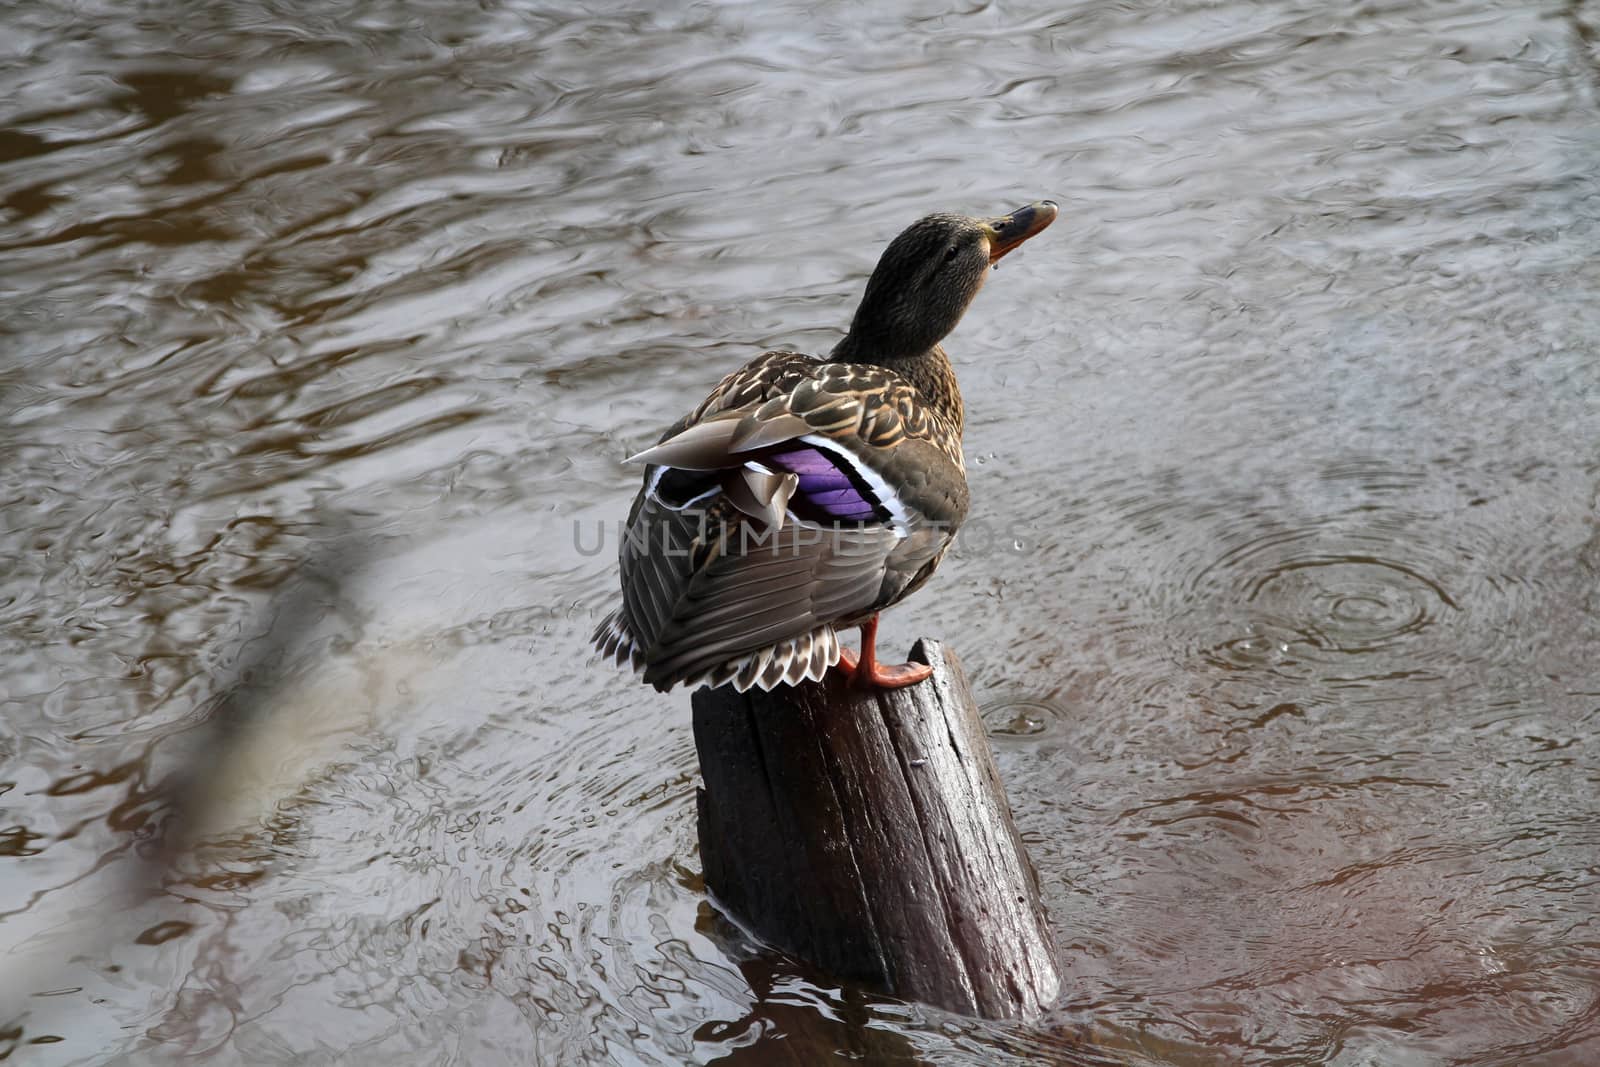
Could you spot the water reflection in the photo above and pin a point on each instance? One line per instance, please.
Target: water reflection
(1290, 651)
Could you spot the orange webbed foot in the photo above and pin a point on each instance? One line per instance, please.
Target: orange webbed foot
(882, 675)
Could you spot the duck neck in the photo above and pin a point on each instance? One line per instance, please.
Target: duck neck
(930, 371)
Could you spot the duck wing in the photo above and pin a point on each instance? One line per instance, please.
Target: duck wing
(798, 496)
(878, 426)
(710, 596)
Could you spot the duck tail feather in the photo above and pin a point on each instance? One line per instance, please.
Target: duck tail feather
(702, 447)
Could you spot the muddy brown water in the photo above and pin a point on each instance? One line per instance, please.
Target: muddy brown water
(326, 325)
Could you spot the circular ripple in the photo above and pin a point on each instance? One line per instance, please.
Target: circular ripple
(1355, 603)
(1019, 721)
(1318, 603)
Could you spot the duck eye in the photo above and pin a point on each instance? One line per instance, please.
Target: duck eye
(951, 254)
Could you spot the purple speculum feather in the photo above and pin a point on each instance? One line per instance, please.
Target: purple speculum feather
(825, 486)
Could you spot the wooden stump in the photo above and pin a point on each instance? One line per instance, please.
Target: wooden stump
(867, 832)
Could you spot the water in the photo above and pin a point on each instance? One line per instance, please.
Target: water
(326, 326)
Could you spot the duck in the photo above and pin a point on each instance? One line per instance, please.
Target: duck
(807, 494)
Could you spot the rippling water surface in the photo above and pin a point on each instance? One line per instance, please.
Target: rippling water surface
(327, 324)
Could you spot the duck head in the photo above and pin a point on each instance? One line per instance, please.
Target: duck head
(928, 276)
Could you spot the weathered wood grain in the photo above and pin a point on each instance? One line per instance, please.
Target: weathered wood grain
(868, 833)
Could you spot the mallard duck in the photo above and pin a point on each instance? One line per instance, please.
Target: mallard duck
(808, 494)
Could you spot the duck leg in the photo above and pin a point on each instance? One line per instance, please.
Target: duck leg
(865, 670)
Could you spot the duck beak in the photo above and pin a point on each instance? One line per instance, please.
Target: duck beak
(1009, 231)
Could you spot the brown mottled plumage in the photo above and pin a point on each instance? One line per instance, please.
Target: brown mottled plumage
(805, 494)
